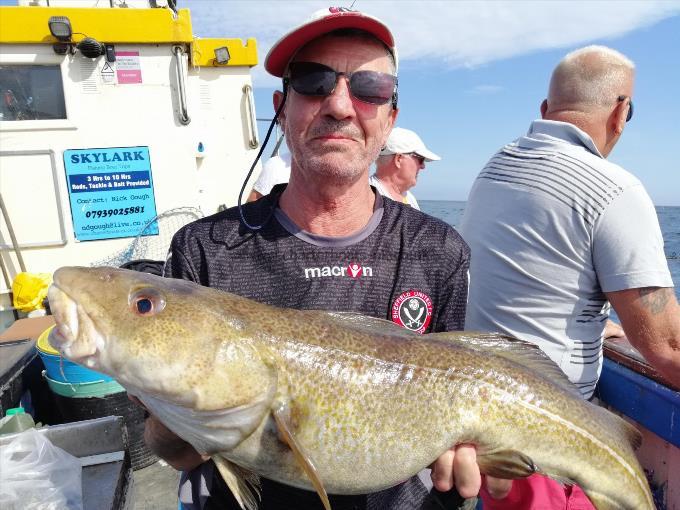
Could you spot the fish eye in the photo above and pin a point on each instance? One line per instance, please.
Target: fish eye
(144, 305)
(146, 302)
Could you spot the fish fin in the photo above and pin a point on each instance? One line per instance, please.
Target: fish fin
(513, 349)
(518, 351)
(469, 504)
(366, 324)
(617, 423)
(243, 484)
(562, 480)
(508, 464)
(281, 414)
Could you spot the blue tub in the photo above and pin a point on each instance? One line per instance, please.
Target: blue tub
(62, 370)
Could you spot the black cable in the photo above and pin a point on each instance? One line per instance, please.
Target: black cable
(259, 154)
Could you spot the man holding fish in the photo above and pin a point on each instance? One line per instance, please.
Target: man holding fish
(327, 240)
(342, 403)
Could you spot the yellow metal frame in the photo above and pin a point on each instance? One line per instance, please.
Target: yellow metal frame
(28, 25)
(203, 52)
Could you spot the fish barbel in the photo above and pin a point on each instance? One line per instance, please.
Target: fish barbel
(336, 402)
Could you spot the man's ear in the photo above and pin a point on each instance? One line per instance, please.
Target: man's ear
(618, 117)
(277, 98)
(393, 118)
(544, 108)
(389, 124)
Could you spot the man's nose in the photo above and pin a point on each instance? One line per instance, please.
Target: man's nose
(339, 103)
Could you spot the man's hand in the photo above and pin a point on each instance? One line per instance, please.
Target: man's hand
(613, 330)
(458, 467)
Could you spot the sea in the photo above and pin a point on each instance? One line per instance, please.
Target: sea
(669, 220)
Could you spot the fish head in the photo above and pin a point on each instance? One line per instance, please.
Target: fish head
(93, 305)
(177, 340)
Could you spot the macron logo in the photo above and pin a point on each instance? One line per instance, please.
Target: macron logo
(353, 270)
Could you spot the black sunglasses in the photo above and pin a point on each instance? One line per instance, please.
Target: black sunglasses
(313, 79)
(630, 107)
(416, 156)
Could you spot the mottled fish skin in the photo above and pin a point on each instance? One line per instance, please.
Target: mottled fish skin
(370, 403)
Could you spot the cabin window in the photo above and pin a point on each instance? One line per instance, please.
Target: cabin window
(30, 92)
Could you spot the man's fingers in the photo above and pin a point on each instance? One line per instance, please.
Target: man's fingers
(498, 488)
(442, 471)
(613, 330)
(458, 467)
(466, 471)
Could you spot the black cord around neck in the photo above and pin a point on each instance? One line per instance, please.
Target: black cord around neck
(250, 172)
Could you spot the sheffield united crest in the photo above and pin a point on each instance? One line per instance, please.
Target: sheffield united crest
(412, 310)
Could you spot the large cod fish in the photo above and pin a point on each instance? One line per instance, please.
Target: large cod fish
(336, 402)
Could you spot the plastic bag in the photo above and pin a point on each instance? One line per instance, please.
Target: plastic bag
(36, 475)
(30, 290)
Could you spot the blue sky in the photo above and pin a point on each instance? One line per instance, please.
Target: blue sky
(473, 73)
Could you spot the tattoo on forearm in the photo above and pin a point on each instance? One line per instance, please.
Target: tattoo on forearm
(655, 299)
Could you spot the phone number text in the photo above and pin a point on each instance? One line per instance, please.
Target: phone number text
(105, 213)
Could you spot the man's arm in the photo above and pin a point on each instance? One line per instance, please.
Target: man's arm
(650, 317)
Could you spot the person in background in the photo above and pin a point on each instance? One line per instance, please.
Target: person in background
(558, 233)
(276, 170)
(398, 166)
(339, 105)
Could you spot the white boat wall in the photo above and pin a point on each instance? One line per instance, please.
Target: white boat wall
(110, 117)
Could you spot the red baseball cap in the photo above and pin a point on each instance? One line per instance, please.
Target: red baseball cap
(320, 23)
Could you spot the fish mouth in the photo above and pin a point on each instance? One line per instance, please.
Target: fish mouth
(74, 334)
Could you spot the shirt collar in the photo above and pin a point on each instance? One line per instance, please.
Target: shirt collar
(564, 131)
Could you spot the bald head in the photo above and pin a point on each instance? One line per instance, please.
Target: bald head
(590, 77)
(592, 88)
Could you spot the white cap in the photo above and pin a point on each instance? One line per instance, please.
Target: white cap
(322, 22)
(404, 141)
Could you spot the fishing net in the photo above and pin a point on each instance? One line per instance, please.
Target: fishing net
(149, 246)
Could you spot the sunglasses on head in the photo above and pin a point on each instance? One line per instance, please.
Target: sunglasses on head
(313, 79)
(630, 107)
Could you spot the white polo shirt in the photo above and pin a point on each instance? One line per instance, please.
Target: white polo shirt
(276, 170)
(552, 225)
(407, 197)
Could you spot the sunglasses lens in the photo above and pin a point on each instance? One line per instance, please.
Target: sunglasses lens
(372, 87)
(312, 79)
(630, 111)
